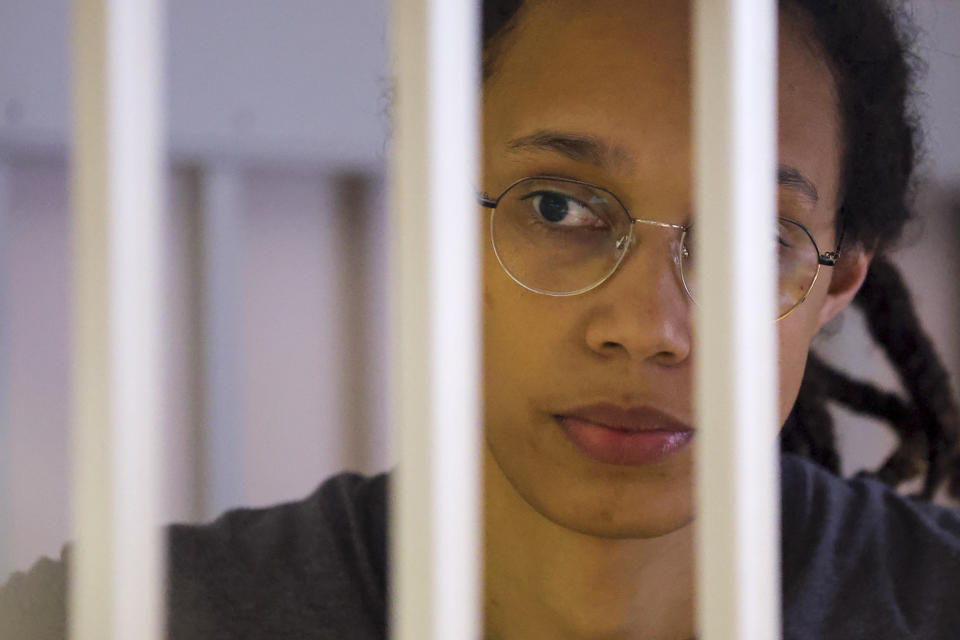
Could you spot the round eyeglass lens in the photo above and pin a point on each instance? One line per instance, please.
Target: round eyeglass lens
(797, 265)
(558, 237)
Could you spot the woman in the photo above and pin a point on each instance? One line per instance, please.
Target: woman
(588, 359)
(592, 540)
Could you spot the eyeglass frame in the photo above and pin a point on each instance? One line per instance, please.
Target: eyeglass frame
(826, 259)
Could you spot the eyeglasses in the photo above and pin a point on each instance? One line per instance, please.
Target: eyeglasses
(563, 237)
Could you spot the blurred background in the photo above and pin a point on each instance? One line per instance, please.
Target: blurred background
(275, 313)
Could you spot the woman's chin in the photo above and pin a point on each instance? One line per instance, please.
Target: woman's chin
(614, 522)
(624, 508)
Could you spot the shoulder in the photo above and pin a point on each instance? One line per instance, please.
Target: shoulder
(32, 603)
(315, 568)
(345, 516)
(287, 570)
(860, 560)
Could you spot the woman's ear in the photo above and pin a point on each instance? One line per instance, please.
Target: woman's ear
(848, 274)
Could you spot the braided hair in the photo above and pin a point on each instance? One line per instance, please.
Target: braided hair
(872, 68)
(863, 43)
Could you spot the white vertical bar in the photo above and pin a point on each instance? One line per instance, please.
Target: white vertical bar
(222, 463)
(735, 134)
(435, 369)
(116, 589)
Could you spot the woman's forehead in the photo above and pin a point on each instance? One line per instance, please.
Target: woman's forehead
(602, 43)
(620, 71)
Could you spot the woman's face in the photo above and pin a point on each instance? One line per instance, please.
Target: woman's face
(618, 72)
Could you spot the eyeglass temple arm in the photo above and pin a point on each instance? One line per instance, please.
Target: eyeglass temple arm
(485, 200)
(830, 258)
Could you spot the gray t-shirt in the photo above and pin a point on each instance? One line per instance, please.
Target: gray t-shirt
(859, 561)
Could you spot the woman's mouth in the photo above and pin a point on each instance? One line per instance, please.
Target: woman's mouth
(635, 436)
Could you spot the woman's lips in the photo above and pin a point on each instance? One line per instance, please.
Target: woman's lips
(634, 436)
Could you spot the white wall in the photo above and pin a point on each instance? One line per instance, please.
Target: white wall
(300, 80)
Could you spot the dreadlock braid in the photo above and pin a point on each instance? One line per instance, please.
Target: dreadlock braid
(928, 425)
(822, 382)
(870, 62)
(893, 324)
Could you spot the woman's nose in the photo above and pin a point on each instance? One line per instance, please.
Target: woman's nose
(643, 312)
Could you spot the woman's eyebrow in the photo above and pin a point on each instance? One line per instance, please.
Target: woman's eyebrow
(594, 150)
(576, 146)
(792, 178)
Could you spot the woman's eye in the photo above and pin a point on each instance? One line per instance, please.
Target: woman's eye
(786, 235)
(562, 210)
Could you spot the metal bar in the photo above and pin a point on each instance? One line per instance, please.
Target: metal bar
(735, 134)
(116, 572)
(435, 368)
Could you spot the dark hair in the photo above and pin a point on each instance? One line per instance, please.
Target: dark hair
(865, 47)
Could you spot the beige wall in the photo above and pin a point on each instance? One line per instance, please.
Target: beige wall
(308, 285)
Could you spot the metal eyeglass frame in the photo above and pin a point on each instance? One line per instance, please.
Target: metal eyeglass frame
(826, 259)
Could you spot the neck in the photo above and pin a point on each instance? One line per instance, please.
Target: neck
(543, 580)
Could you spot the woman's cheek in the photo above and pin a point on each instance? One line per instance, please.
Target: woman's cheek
(793, 346)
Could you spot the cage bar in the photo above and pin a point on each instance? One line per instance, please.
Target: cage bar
(436, 321)
(736, 408)
(116, 566)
